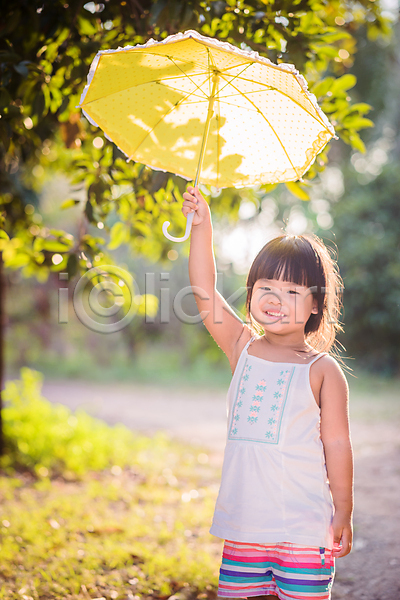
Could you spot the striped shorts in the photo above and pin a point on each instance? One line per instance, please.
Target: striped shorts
(288, 571)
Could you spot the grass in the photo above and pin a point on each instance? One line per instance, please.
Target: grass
(134, 526)
(118, 533)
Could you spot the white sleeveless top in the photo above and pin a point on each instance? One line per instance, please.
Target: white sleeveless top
(274, 485)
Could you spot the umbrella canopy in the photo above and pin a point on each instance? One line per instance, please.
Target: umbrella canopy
(192, 104)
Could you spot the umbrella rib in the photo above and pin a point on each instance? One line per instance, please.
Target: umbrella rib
(211, 70)
(238, 75)
(272, 89)
(260, 60)
(166, 56)
(153, 81)
(209, 59)
(235, 105)
(200, 101)
(249, 92)
(159, 121)
(316, 117)
(138, 85)
(201, 98)
(166, 78)
(235, 67)
(209, 55)
(190, 79)
(269, 124)
(209, 80)
(218, 119)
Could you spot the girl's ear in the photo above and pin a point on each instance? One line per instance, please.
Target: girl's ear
(314, 310)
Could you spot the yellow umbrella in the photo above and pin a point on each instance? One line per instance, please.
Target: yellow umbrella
(194, 105)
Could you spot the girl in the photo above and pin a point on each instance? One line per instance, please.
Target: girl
(285, 502)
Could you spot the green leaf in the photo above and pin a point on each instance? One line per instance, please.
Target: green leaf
(119, 234)
(86, 27)
(54, 246)
(56, 100)
(124, 208)
(360, 107)
(142, 228)
(47, 97)
(355, 122)
(106, 159)
(357, 143)
(89, 211)
(295, 189)
(17, 260)
(4, 234)
(335, 36)
(330, 51)
(58, 232)
(148, 202)
(343, 83)
(269, 187)
(69, 203)
(322, 87)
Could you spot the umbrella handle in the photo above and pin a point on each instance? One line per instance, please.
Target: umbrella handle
(190, 216)
(166, 224)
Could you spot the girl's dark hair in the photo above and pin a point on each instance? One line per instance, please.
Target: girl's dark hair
(305, 260)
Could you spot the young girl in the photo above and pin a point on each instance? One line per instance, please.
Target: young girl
(285, 503)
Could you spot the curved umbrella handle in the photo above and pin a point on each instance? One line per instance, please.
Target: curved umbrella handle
(166, 224)
(190, 216)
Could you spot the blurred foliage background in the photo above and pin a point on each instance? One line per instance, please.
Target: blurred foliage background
(70, 202)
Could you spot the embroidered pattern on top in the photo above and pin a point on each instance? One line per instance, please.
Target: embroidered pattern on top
(256, 402)
(239, 403)
(259, 405)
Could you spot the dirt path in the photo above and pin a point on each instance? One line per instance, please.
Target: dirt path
(372, 570)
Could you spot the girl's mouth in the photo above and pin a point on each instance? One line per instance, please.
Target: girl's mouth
(274, 314)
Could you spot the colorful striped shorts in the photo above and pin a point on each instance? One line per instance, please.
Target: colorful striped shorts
(288, 571)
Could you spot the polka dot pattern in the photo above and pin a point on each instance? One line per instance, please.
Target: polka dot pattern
(153, 103)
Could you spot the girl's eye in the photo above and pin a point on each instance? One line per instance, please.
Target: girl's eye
(292, 292)
(267, 289)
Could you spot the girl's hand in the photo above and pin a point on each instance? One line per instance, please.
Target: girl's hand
(342, 534)
(194, 202)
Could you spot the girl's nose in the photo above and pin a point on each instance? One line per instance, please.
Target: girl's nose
(274, 298)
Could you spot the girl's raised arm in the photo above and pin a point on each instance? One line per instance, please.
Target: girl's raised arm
(222, 323)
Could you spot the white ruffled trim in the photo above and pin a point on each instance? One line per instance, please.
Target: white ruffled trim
(90, 76)
(215, 43)
(212, 42)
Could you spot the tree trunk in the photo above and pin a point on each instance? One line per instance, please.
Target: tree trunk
(2, 340)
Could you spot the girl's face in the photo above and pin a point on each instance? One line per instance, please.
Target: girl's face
(282, 307)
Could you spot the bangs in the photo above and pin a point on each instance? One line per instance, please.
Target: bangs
(291, 259)
(288, 269)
